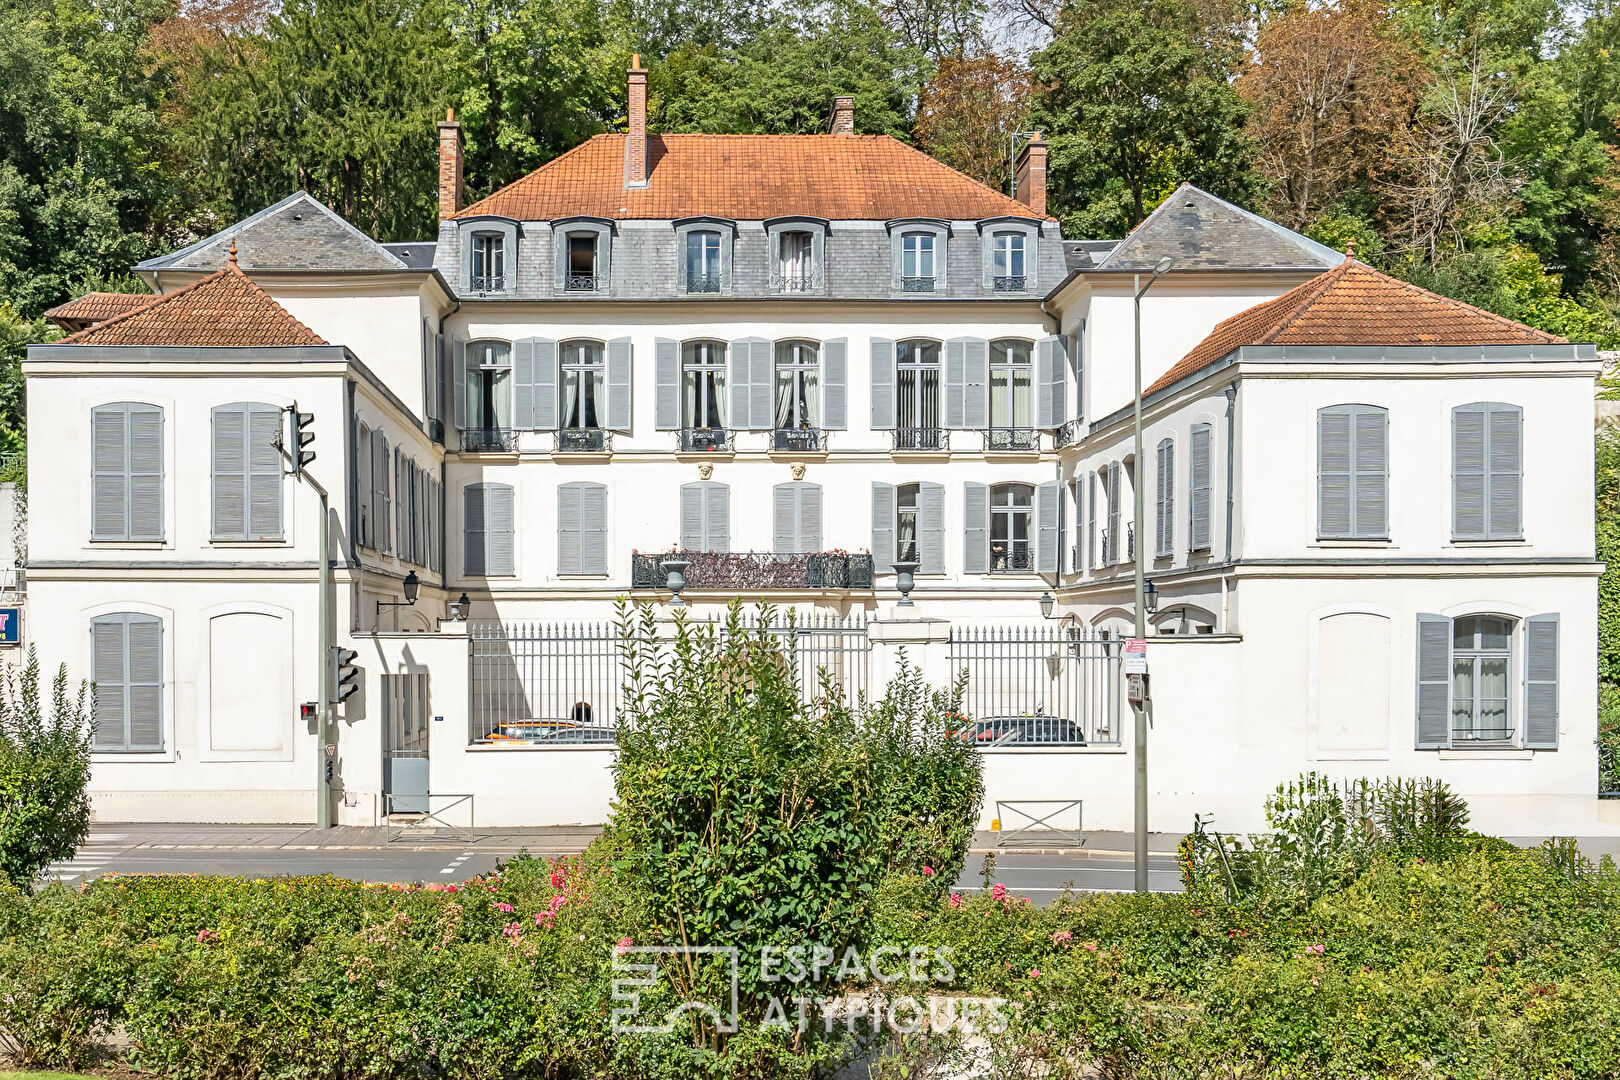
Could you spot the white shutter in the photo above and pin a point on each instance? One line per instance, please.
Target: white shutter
(1433, 681)
(1165, 498)
(1199, 487)
(883, 519)
(834, 384)
(1541, 682)
(230, 472)
(619, 396)
(666, 384)
(883, 385)
(975, 528)
(931, 528)
(1046, 527)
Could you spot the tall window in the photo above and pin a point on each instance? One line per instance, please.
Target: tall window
(1481, 665)
(127, 665)
(247, 472)
(1487, 462)
(1008, 271)
(583, 385)
(488, 262)
(795, 254)
(703, 385)
(917, 402)
(905, 523)
(581, 262)
(1352, 468)
(917, 262)
(1012, 512)
(126, 492)
(798, 368)
(1012, 392)
(489, 386)
(702, 262)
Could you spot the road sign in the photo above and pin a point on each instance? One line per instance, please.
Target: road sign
(1136, 656)
(10, 626)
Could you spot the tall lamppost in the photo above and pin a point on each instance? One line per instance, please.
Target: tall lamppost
(1141, 580)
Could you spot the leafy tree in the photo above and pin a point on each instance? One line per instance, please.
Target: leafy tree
(1513, 283)
(16, 334)
(44, 769)
(969, 110)
(1138, 97)
(1608, 552)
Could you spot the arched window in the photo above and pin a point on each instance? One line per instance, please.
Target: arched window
(798, 393)
(488, 395)
(1012, 396)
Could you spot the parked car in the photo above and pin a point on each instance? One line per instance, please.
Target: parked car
(1024, 730)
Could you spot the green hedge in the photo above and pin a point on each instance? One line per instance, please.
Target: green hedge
(1488, 963)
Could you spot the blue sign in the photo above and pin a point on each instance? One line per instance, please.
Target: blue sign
(10, 626)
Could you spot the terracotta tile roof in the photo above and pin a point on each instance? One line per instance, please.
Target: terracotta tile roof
(223, 309)
(1353, 304)
(95, 307)
(750, 178)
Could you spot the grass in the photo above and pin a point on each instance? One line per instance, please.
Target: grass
(41, 1076)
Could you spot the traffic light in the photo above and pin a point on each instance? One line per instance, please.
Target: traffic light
(345, 676)
(303, 426)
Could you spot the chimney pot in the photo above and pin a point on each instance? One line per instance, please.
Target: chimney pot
(1029, 174)
(452, 151)
(843, 116)
(635, 139)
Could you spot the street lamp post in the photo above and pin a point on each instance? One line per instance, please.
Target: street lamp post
(1141, 580)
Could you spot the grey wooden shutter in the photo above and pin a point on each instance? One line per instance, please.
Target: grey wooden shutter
(145, 682)
(834, 384)
(762, 382)
(666, 384)
(402, 509)
(705, 516)
(931, 528)
(739, 383)
(717, 518)
(1114, 546)
(474, 531)
(975, 528)
(976, 392)
(692, 516)
(1165, 498)
(379, 485)
(362, 483)
(1372, 473)
(127, 666)
(1091, 521)
(1468, 472)
(145, 473)
(883, 385)
(107, 635)
(1541, 682)
(1051, 382)
(458, 383)
(1433, 681)
(1506, 461)
(1047, 510)
(784, 519)
(230, 472)
(1486, 471)
(955, 383)
(582, 528)
(523, 388)
(1199, 472)
(797, 513)
(619, 383)
(109, 485)
(545, 384)
(810, 518)
(501, 536)
(264, 473)
(883, 519)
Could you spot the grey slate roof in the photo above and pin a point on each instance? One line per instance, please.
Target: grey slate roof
(418, 254)
(297, 233)
(1086, 254)
(1202, 232)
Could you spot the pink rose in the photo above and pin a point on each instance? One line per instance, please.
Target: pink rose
(928, 871)
(508, 908)
(998, 891)
(623, 946)
(1061, 937)
(956, 899)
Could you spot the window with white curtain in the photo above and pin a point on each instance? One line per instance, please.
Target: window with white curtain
(1012, 392)
(795, 256)
(489, 385)
(798, 372)
(917, 394)
(702, 262)
(584, 382)
(703, 385)
(905, 523)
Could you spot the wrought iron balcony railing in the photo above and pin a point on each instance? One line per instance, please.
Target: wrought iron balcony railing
(705, 440)
(796, 283)
(799, 440)
(583, 440)
(755, 570)
(1069, 434)
(487, 283)
(703, 283)
(581, 283)
(922, 438)
(1009, 282)
(1111, 555)
(1011, 556)
(435, 430)
(916, 284)
(1012, 439)
(488, 440)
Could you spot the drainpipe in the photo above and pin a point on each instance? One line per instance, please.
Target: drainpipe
(1231, 439)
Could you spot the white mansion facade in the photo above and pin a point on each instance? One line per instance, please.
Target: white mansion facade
(793, 362)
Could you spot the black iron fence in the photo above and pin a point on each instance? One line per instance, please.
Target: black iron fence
(922, 438)
(1017, 439)
(1048, 684)
(705, 440)
(740, 570)
(583, 440)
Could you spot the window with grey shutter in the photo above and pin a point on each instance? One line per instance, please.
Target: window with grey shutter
(883, 384)
(666, 384)
(1114, 544)
(582, 528)
(750, 381)
(834, 384)
(1200, 472)
(796, 509)
(534, 384)
(458, 383)
(488, 530)
(619, 383)
(1051, 388)
(1047, 530)
(705, 516)
(883, 519)
(930, 528)
(956, 383)
(1486, 471)
(1433, 682)
(126, 489)
(976, 385)
(1091, 520)
(1541, 682)
(1352, 470)
(247, 472)
(127, 668)
(362, 485)
(1164, 497)
(975, 528)
(380, 464)
(402, 508)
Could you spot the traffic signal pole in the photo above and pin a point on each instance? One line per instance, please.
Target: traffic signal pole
(302, 428)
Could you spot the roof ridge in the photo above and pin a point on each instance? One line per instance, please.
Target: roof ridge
(936, 163)
(1311, 291)
(1552, 339)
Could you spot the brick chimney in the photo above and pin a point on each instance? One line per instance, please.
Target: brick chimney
(452, 149)
(843, 116)
(635, 140)
(1029, 175)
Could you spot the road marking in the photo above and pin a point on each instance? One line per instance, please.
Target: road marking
(455, 864)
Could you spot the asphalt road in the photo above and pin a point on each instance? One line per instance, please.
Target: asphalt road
(1040, 874)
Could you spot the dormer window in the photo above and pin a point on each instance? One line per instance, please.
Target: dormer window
(798, 249)
(1008, 272)
(917, 262)
(583, 249)
(793, 261)
(702, 262)
(488, 262)
(581, 262)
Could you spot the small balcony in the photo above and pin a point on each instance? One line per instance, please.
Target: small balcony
(489, 441)
(799, 440)
(744, 570)
(706, 441)
(1004, 440)
(488, 283)
(1009, 282)
(1069, 434)
(1011, 556)
(917, 284)
(921, 439)
(1111, 545)
(796, 283)
(584, 441)
(581, 283)
(703, 283)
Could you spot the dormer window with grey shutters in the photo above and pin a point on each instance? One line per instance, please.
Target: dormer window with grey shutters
(1007, 249)
(488, 256)
(919, 248)
(798, 248)
(703, 246)
(584, 248)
